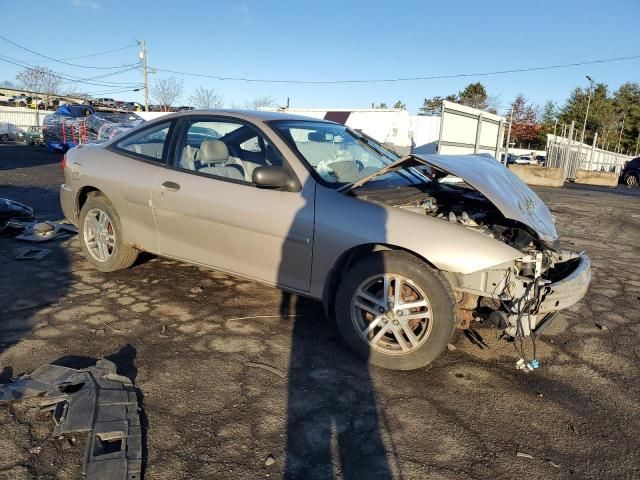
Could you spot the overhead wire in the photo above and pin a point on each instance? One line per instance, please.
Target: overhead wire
(68, 78)
(62, 61)
(401, 79)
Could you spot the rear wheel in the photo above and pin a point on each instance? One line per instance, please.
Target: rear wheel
(631, 180)
(101, 236)
(395, 310)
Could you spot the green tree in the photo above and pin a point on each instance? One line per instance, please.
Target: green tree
(626, 104)
(431, 106)
(474, 95)
(399, 104)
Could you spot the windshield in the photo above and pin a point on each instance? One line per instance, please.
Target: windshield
(339, 155)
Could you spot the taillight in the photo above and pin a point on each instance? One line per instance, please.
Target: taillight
(64, 161)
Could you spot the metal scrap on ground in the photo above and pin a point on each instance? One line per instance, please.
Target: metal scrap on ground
(95, 400)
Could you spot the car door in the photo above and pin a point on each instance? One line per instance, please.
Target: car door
(209, 212)
(142, 154)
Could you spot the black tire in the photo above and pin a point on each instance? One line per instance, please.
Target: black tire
(631, 180)
(430, 281)
(4, 138)
(122, 255)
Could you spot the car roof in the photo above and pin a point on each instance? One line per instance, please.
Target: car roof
(259, 115)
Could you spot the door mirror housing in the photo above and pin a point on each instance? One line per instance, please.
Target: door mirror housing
(276, 177)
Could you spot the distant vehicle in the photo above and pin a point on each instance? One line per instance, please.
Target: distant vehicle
(33, 136)
(20, 101)
(541, 159)
(4, 99)
(630, 174)
(511, 158)
(525, 160)
(9, 132)
(105, 102)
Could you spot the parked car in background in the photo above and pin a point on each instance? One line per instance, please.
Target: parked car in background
(525, 160)
(20, 101)
(630, 174)
(9, 132)
(398, 257)
(33, 136)
(4, 99)
(104, 102)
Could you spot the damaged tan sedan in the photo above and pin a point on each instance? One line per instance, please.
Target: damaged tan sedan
(399, 256)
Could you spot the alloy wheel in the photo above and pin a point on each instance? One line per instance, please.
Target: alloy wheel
(99, 236)
(391, 313)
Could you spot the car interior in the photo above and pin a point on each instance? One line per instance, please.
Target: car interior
(234, 155)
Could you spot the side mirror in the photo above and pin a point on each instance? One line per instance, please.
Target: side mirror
(271, 176)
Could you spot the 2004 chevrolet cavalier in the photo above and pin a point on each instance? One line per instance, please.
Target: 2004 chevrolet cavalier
(399, 257)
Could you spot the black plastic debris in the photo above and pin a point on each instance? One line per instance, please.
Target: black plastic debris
(95, 400)
(30, 253)
(14, 216)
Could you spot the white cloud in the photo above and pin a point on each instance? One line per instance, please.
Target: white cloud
(87, 4)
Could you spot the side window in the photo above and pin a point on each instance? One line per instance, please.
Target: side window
(225, 149)
(148, 143)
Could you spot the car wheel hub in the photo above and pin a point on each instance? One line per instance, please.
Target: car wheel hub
(98, 235)
(391, 313)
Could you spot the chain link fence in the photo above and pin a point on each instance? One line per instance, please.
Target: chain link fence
(570, 155)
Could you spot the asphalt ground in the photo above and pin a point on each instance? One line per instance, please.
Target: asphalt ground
(231, 389)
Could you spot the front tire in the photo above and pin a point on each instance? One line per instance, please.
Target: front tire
(631, 180)
(101, 236)
(395, 310)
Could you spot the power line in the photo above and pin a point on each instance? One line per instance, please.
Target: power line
(69, 78)
(62, 61)
(102, 53)
(407, 79)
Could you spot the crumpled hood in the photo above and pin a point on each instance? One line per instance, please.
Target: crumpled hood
(503, 188)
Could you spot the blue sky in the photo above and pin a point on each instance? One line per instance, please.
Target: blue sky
(334, 39)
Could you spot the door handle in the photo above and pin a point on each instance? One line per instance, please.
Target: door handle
(171, 186)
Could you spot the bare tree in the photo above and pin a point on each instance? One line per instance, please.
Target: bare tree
(41, 81)
(256, 103)
(166, 92)
(206, 98)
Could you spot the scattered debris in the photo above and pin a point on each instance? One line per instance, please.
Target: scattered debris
(451, 347)
(268, 368)
(14, 215)
(523, 455)
(553, 464)
(30, 253)
(45, 231)
(270, 460)
(35, 450)
(95, 400)
(197, 290)
(602, 326)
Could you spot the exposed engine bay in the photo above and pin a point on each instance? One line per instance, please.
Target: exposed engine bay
(520, 297)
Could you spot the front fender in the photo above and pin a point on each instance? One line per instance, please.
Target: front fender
(344, 222)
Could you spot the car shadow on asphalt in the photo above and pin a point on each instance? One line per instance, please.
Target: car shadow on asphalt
(333, 429)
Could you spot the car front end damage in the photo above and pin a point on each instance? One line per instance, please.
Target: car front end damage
(522, 297)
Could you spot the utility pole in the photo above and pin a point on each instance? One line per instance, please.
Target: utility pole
(586, 115)
(584, 125)
(506, 148)
(620, 137)
(637, 144)
(143, 57)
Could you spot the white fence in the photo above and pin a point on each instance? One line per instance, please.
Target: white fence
(570, 155)
(23, 117)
